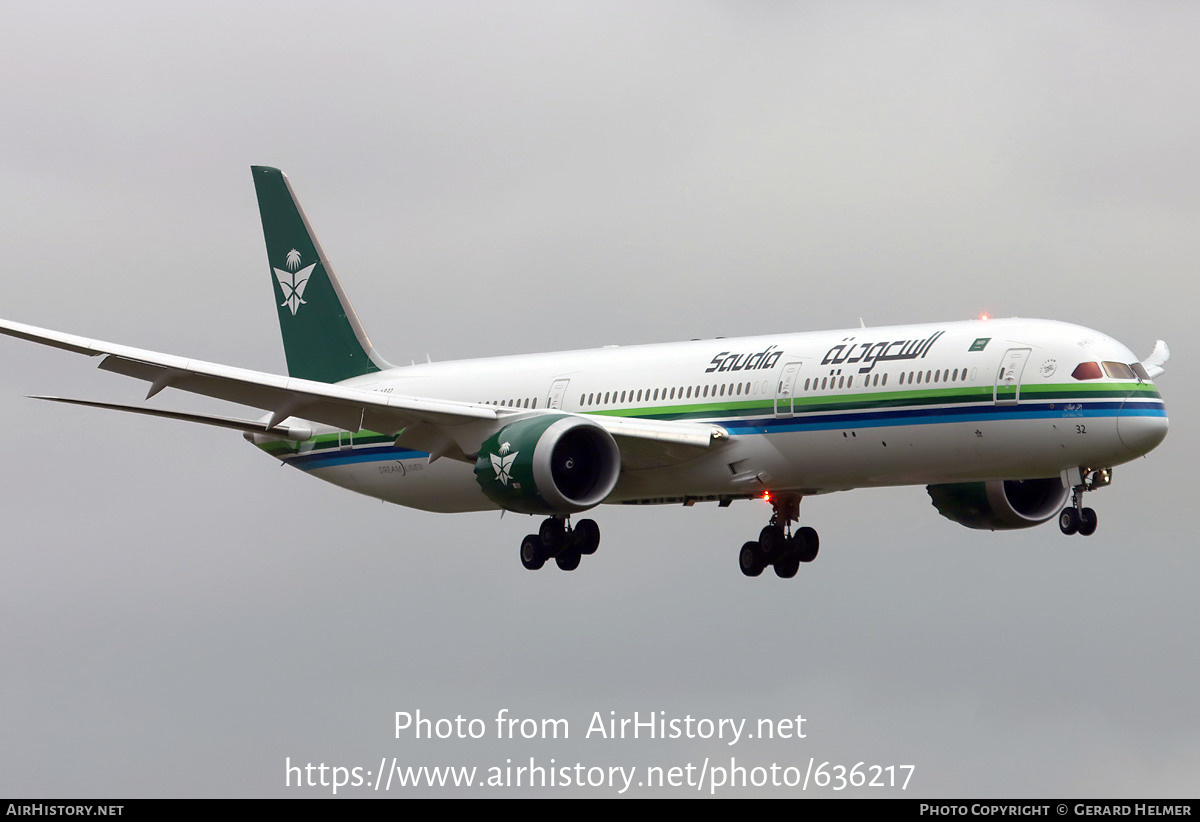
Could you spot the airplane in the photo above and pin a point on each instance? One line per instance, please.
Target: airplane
(1008, 422)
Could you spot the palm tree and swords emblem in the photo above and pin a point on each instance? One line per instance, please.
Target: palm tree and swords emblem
(293, 281)
(502, 463)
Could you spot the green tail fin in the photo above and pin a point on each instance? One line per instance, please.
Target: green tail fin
(322, 337)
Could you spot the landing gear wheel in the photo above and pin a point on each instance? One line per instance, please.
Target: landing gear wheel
(1087, 522)
(772, 541)
(750, 559)
(533, 555)
(786, 567)
(1068, 521)
(568, 560)
(552, 534)
(808, 543)
(587, 536)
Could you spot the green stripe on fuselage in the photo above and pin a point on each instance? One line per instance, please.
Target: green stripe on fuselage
(885, 400)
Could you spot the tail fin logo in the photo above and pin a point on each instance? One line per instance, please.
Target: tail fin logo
(293, 281)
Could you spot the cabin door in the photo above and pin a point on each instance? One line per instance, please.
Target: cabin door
(785, 388)
(1008, 380)
(557, 391)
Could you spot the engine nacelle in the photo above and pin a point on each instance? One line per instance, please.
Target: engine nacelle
(1000, 505)
(549, 464)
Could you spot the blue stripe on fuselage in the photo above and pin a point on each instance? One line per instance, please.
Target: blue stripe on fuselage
(930, 416)
(812, 422)
(375, 453)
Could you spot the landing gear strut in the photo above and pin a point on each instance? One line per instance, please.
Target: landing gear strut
(556, 538)
(778, 545)
(1075, 519)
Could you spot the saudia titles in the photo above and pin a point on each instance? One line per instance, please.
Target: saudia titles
(873, 353)
(869, 353)
(763, 360)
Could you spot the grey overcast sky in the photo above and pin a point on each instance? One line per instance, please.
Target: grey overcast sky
(179, 615)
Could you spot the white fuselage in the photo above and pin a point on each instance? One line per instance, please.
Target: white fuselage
(806, 413)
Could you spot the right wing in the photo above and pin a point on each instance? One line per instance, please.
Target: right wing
(1156, 363)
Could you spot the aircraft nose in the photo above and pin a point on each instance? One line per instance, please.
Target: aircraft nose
(1141, 432)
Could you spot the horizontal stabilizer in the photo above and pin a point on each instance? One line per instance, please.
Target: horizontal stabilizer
(291, 432)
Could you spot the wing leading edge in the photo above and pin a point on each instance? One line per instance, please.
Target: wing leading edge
(440, 427)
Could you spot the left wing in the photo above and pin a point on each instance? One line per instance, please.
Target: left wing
(440, 427)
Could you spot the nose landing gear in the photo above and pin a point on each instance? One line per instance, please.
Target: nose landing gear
(1076, 519)
(778, 545)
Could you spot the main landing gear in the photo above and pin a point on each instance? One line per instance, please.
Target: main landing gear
(778, 545)
(556, 538)
(1076, 519)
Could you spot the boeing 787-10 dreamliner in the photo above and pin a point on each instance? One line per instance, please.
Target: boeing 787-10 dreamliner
(1008, 422)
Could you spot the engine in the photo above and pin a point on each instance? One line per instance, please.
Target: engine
(1000, 505)
(550, 464)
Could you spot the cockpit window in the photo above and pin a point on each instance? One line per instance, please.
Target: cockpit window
(1140, 370)
(1118, 370)
(1087, 371)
